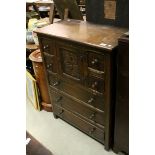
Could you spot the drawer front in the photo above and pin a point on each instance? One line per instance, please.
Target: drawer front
(78, 108)
(53, 80)
(48, 46)
(96, 84)
(96, 61)
(81, 124)
(93, 99)
(95, 72)
(50, 62)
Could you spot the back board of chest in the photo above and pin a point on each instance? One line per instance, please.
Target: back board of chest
(111, 12)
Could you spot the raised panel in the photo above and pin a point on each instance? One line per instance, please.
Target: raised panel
(70, 62)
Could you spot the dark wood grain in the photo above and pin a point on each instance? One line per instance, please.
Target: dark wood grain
(84, 33)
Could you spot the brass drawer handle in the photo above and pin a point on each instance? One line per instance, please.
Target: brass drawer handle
(61, 112)
(92, 116)
(45, 47)
(49, 65)
(56, 83)
(90, 100)
(92, 131)
(95, 61)
(58, 99)
(94, 84)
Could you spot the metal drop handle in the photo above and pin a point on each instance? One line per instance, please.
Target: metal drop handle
(94, 84)
(45, 47)
(94, 61)
(92, 130)
(58, 99)
(61, 112)
(49, 65)
(92, 116)
(90, 100)
(56, 83)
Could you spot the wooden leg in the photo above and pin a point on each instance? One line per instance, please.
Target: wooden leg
(55, 116)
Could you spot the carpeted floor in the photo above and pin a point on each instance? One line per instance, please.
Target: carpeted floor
(35, 148)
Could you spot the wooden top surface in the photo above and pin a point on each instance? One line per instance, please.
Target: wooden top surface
(84, 32)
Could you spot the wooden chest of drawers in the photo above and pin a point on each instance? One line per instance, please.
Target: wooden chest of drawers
(78, 59)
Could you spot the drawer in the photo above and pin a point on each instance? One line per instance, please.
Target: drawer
(48, 46)
(50, 62)
(96, 84)
(94, 72)
(96, 61)
(81, 124)
(92, 99)
(53, 80)
(78, 108)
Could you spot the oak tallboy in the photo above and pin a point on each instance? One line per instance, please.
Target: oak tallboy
(79, 62)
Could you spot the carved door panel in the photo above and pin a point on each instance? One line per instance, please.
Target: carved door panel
(70, 62)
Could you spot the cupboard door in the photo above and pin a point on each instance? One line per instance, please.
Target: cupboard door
(70, 62)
